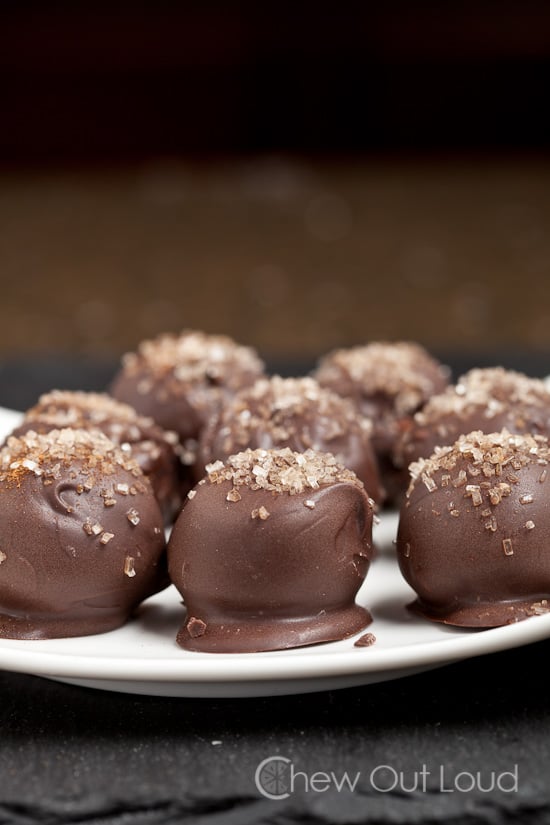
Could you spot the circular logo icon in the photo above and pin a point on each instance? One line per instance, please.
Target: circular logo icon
(272, 777)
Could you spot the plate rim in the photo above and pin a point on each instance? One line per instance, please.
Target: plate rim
(275, 665)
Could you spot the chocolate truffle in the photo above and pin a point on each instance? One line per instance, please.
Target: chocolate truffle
(81, 535)
(388, 382)
(182, 380)
(297, 413)
(270, 551)
(474, 533)
(153, 448)
(483, 399)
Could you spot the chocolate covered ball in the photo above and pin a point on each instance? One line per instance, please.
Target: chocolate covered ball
(297, 413)
(182, 380)
(153, 448)
(270, 551)
(483, 399)
(388, 382)
(474, 533)
(81, 535)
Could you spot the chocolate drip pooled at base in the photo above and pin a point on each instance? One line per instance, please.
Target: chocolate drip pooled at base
(474, 532)
(270, 551)
(81, 536)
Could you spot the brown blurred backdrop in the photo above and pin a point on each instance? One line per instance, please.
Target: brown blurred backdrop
(296, 175)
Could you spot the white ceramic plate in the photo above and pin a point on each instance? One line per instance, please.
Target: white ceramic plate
(143, 657)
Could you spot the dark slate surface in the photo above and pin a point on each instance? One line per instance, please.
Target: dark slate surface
(74, 755)
(71, 754)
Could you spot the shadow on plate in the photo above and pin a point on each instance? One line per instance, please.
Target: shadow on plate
(395, 610)
(161, 619)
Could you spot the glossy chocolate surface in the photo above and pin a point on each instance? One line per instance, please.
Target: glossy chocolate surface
(388, 382)
(474, 533)
(182, 380)
(296, 413)
(153, 448)
(263, 568)
(81, 536)
(483, 399)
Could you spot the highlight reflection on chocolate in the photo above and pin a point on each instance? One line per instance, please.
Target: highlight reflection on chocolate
(81, 535)
(270, 551)
(474, 533)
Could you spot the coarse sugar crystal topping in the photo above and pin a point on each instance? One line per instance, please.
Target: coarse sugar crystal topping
(59, 409)
(195, 356)
(281, 471)
(493, 391)
(482, 467)
(68, 408)
(401, 370)
(287, 406)
(43, 455)
(502, 384)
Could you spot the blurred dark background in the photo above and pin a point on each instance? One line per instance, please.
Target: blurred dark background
(297, 175)
(122, 81)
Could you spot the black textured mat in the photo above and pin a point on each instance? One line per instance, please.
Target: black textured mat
(72, 755)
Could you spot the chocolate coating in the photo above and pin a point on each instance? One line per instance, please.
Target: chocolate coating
(474, 533)
(296, 413)
(81, 536)
(270, 551)
(153, 448)
(484, 399)
(388, 382)
(182, 380)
